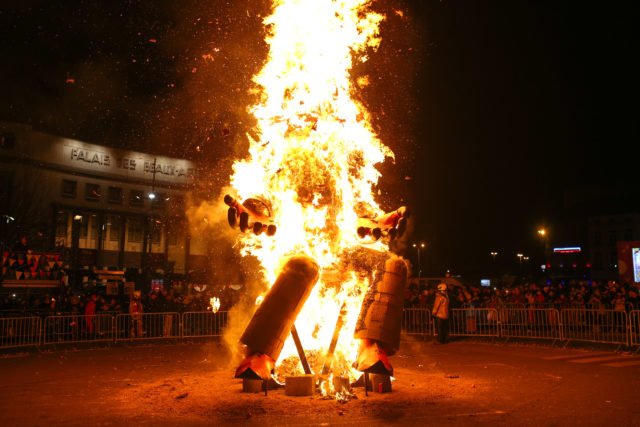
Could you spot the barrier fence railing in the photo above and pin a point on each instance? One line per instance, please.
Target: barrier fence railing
(78, 328)
(417, 321)
(20, 331)
(474, 322)
(603, 326)
(147, 326)
(203, 324)
(590, 325)
(634, 328)
(542, 323)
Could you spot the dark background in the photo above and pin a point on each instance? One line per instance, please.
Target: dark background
(505, 116)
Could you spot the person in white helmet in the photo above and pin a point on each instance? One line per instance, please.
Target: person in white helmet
(441, 313)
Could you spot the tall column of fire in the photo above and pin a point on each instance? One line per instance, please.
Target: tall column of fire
(305, 192)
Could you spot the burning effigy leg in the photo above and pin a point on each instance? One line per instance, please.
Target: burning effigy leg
(380, 320)
(274, 318)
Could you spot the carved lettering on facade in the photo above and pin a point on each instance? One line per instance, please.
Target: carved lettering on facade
(92, 157)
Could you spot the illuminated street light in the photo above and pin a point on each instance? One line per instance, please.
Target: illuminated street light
(519, 255)
(543, 233)
(494, 255)
(419, 247)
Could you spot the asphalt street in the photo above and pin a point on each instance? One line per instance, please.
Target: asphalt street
(460, 383)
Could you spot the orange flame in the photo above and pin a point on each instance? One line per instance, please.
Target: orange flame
(314, 156)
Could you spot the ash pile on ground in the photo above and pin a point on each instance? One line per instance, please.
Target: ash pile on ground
(208, 392)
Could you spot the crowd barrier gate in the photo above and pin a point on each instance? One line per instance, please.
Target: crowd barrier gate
(203, 324)
(78, 328)
(634, 328)
(539, 323)
(477, 322)
(595, 325)
(20, 331)
(417, 321)
(147, 326)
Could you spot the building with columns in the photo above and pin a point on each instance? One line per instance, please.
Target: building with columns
(99, 206)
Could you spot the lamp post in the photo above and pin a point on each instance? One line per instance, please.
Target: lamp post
(520, 257)
(542, 232)
(494, 254)
(147, 247)
(419, 247)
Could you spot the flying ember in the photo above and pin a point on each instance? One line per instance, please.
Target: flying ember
(303, 200)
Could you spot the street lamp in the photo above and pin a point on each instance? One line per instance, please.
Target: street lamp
(519, 255)
(419, 247)
(542, 232)
(494, 255)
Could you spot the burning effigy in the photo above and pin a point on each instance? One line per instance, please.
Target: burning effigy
(303, 204)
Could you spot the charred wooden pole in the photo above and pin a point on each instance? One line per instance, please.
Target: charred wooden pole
(334, 340)
(303, 357)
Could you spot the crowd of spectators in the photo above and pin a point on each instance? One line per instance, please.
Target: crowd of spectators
(95, 302)
(571, 294)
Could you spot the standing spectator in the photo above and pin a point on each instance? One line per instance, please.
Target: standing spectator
(441, 313)
(135, 311)
(89, 313)
(169, 309)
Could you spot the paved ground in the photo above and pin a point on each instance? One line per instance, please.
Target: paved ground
(461, 383)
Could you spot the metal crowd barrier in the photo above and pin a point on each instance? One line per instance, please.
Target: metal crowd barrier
(541, 323)
(203, 324)
(604, 326)
(634, 328)
(474, 322)
(601, 325)
(20, 331)
(417, 321)
(77, 328)
(146, 326)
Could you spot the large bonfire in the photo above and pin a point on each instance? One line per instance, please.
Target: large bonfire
(311, 168)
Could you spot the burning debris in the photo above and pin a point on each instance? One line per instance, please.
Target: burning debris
(303, 202)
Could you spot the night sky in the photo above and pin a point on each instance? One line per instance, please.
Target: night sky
(495, 109)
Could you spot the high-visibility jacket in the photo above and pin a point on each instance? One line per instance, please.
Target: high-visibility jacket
(441, 305)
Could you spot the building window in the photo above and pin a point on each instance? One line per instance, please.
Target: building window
(136, 198)
(115, 228)
(69, 188)
(62, 223)
(172, 236)
(93, 227)
(156, 230)
(84, 227)
(92, 192)
(135, 230)
(161, 200)
(115, 195)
